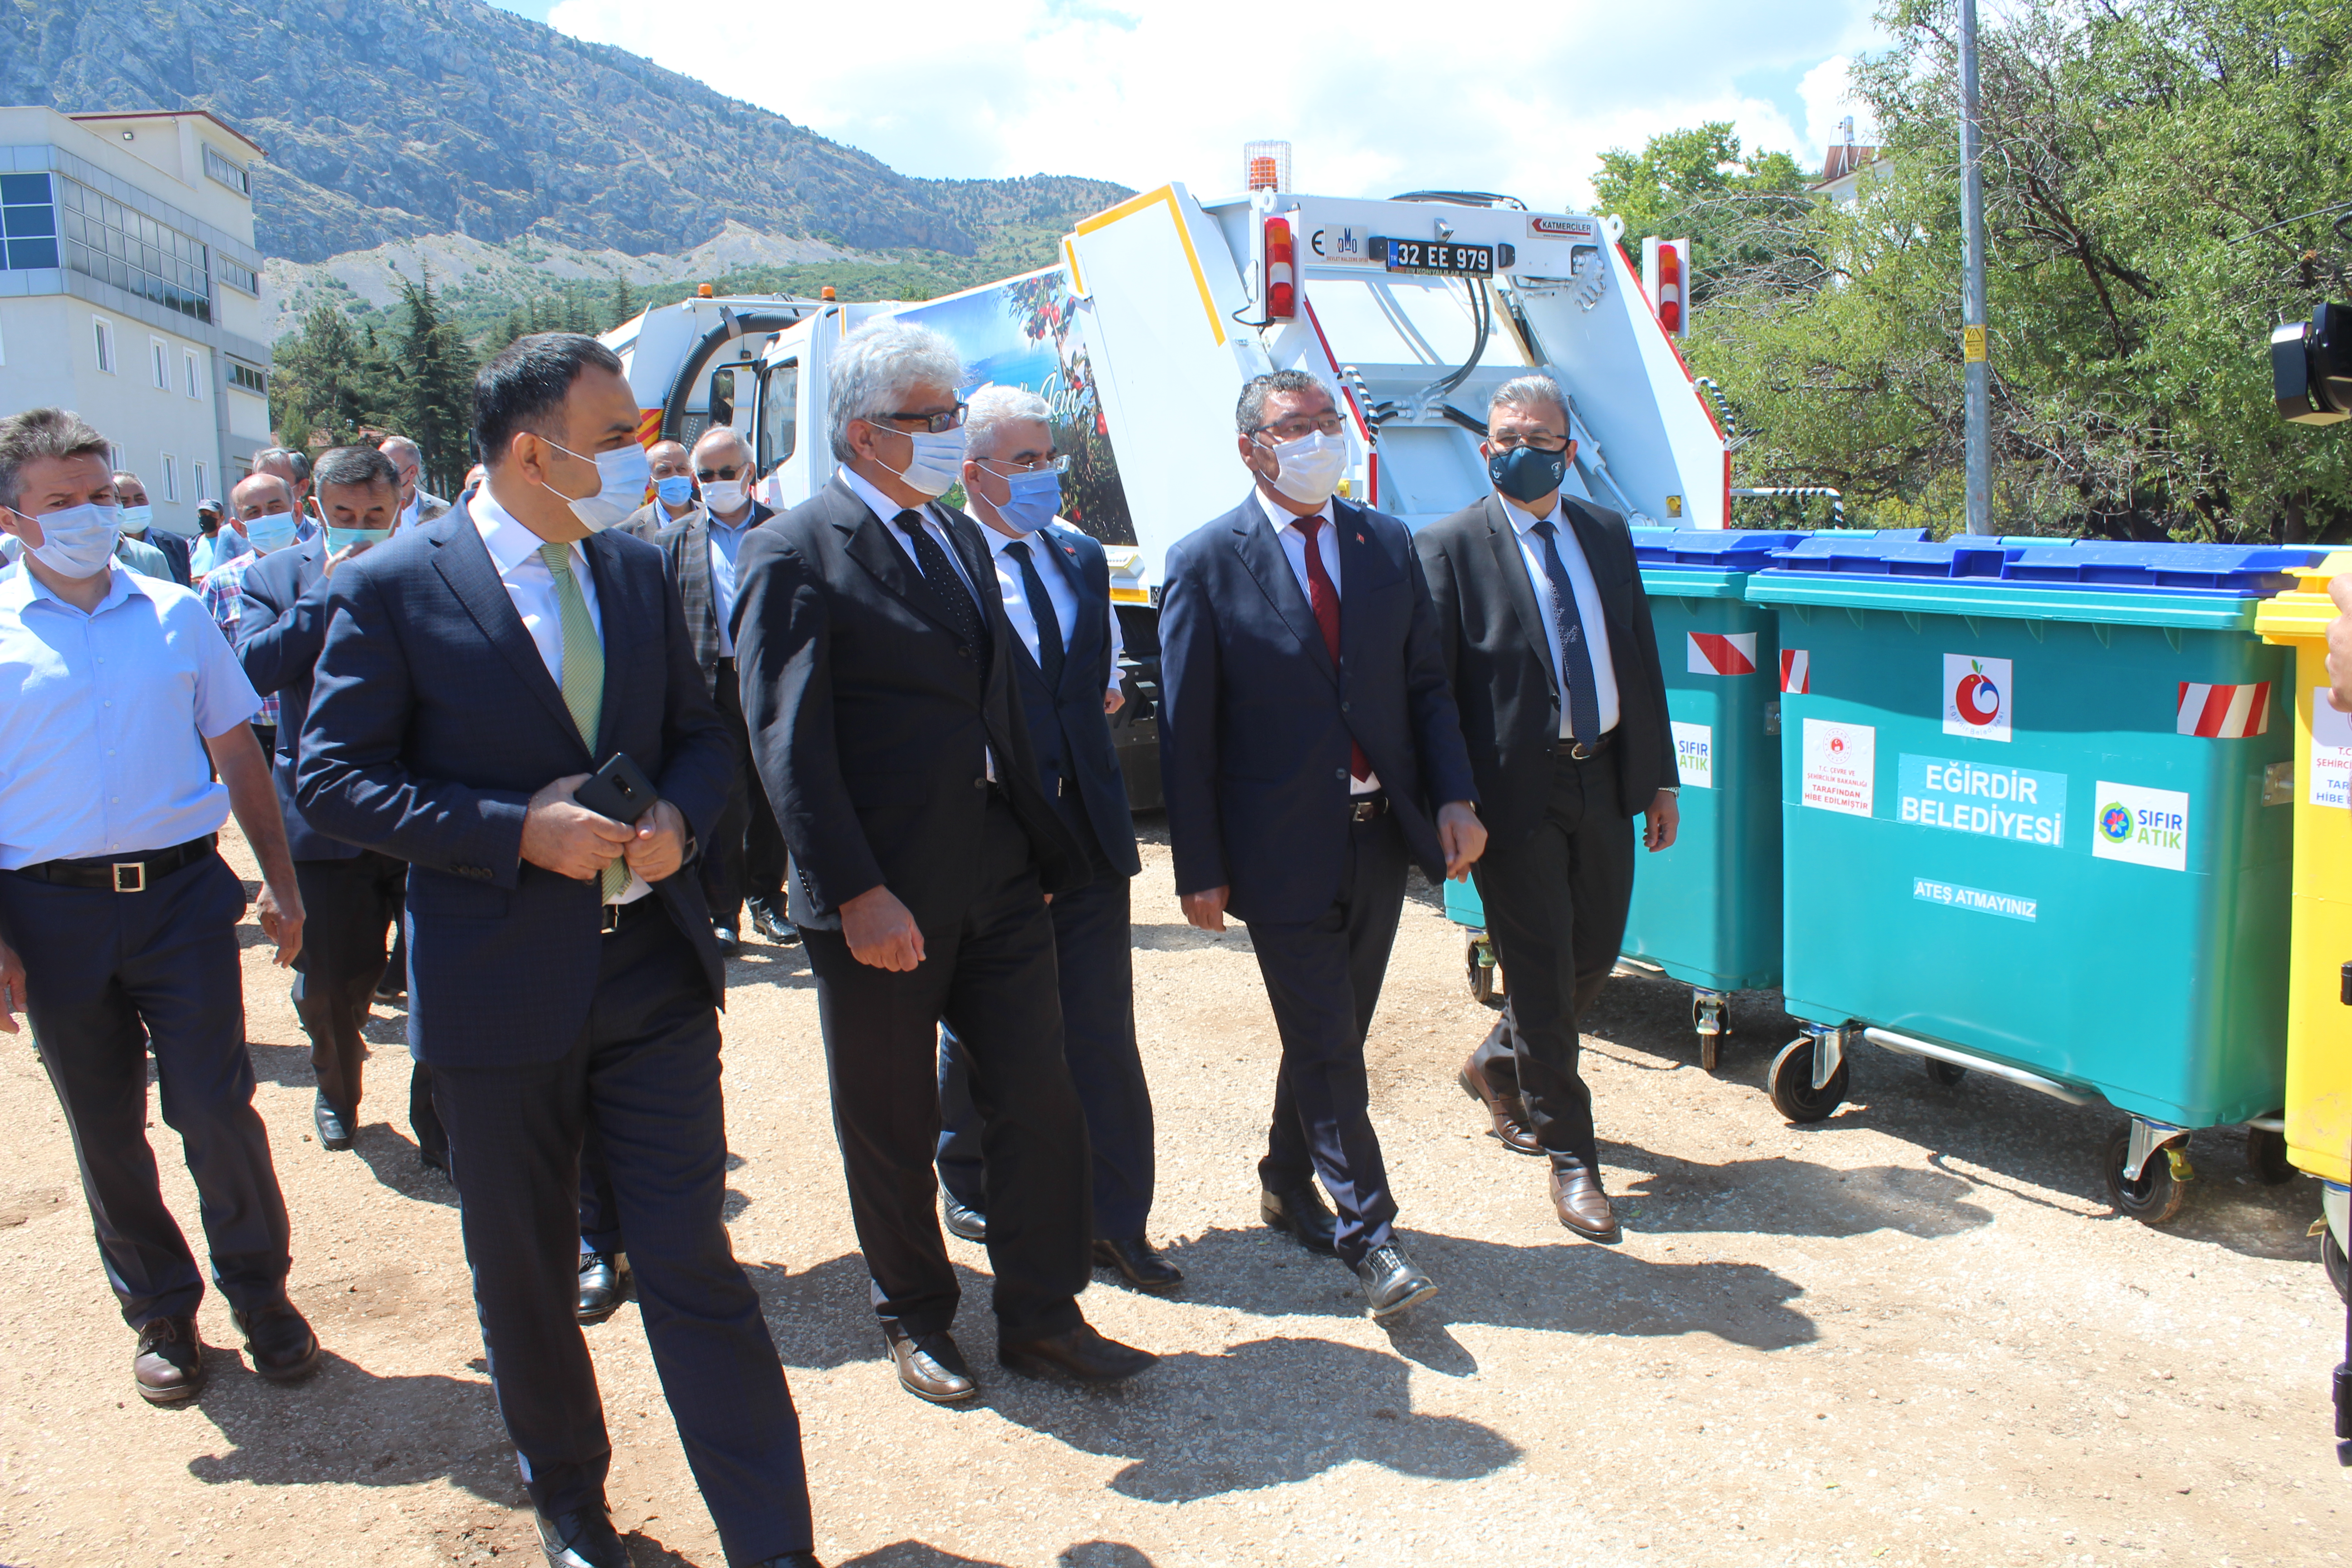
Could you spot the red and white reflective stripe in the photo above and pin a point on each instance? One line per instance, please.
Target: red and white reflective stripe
(1722, 653)
(1796, 670)
(2225, 712)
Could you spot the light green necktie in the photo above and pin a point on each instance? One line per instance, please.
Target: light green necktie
(584, 675)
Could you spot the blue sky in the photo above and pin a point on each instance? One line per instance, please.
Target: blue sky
(1377, 95)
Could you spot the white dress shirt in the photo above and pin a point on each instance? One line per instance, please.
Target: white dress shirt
(888, 511)
(1293, 540)
(722, 540)
(514, 551)
(1587, 606)
(1057, 589)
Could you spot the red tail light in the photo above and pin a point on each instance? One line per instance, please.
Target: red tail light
(1281, 293)
(1670, 289)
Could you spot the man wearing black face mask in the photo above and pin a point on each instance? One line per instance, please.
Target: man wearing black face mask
(1555, 669)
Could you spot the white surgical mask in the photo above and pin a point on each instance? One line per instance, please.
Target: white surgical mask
(726, 495)
(77, 541)
(341, 538)
(1312, 466)
(136, 519)
(622, 476)
(938, 461)
(1036, 497)
(271, 530)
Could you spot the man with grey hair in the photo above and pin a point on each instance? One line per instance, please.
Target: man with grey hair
(138, 528)
(418, 504)
(294, 468)
(1055, 585)
(877, 678)
(1554, 662)
(123, 718)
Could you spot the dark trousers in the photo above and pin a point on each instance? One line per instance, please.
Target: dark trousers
(646, 1077)
(992, 978)
(98, 966)
(1556, 907)
(1324, 979)
(722, 865)
(349, 908)
(1095, 957)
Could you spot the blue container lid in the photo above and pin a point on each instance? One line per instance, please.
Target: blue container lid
(2250, 570)
(1708, 549)
(2014, 543)
(1904, 556)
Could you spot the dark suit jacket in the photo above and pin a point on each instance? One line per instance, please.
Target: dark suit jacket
(175, 547)
(648, 522)
(870, 718)
(1077, 764)
(1254, 721)
(1497, 641)
(687, 547)
(279, 635)
(434, 720)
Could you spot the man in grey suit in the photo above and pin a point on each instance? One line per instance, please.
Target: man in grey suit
(675, 500)
(418, 504)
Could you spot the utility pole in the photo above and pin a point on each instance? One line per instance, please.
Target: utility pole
(1972, 284)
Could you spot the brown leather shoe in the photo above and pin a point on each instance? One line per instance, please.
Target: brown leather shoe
(169, 1364)
(1577, 1196)
(929, 1365)
(1511, 1127)
(1081, 1354)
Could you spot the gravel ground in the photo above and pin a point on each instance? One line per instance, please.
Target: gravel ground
(1914, 1333)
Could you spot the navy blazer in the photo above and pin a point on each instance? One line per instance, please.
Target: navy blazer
(280, 631)
(434, 720)
(1077, 764)
(1254, 721)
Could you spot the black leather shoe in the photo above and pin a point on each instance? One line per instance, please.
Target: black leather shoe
(1301, 1210)
(929, 1365)
(392, 987)
(1391, 1283)
(789, 1560)
(1139, 1262)
(280, 1343)
(434, 1160)
(604, 1282)
(334, 1127)
(769, 921)
(582, 1537)
(730, 943)
(1081, 1354)
(169, 1364)
(967, 1222)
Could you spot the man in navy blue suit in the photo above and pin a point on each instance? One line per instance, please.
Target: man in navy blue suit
(1310, 750)
(562, 978)
(1056, 584)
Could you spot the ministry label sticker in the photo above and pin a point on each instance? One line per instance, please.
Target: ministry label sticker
(1841, 765)
(2145, 827)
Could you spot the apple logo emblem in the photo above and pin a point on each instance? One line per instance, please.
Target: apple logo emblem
(1978, 699)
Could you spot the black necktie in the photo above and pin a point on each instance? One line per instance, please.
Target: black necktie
(1576, 660)
(1050, 653)
(943, 581)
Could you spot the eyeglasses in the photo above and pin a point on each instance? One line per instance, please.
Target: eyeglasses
(1541, 441)
(1059, 463)
(729, 472)
(937, 423)
(1303, 424)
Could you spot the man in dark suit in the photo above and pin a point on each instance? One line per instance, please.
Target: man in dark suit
(886, 723)
(1554, 662)
(1056, 586)
(1309, 750)
(138, 524)
(563, 980)
(352, 894)
(702, 552)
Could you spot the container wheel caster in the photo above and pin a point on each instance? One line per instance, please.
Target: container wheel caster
(1791, 1088)
(2155, 1194)
(2266, 1152)
(1479, 959)
(2340, 1270)
(1710, 1020)
(1944, 1075)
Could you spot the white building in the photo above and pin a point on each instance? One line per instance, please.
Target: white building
(130, 291)
(1846, 165)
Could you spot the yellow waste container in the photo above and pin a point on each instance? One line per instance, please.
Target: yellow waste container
(2319, 1025)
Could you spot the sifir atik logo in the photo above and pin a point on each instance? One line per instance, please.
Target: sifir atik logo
(1975, 697)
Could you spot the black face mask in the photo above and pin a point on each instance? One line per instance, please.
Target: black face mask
(1525, 474)
(207, 523)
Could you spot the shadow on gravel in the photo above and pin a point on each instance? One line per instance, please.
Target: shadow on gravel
(916, 1554)
(393, 1160)
(758, 964)
(1790, 1197)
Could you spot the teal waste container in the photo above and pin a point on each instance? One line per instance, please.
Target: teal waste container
(2035, 803)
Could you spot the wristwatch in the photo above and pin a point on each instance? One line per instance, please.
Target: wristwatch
(1670, 789)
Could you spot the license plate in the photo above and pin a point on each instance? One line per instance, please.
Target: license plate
(1435, 256)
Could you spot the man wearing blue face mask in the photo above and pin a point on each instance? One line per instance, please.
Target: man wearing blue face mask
(117, 917)
(1055, 585)
(264, 509)
(1554, 661)
(675, 502)
(138, 518)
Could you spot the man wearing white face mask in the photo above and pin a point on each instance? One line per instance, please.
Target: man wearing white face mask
(1310, 749)
(263, 504)
(117, 917)
(137, 517)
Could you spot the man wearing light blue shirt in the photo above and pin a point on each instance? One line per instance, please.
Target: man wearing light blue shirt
(117, 917)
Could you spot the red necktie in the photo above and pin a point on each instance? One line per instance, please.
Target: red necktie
(1325, 594)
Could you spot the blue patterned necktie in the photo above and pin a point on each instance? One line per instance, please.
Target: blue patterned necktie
(1583, 696)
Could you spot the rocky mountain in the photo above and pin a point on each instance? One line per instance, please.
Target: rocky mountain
(402, 119)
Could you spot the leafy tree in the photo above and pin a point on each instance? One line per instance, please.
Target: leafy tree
(1738, 211)
(326, 376)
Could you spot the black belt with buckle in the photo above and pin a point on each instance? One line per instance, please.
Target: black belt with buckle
(614, 918)
(134, 876)
(1365, 807)
(1582, 753)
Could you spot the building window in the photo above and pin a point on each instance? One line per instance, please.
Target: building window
(237, 275)
(104, 239)
(114, 459)
(195, 376)
(244, 378)
(28, 217)
(159, 353)
(236, 176)
(102, 340)
(171, 478)
(196, 471)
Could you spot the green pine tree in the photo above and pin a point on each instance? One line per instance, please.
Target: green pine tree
(437, 370)
(625, 302)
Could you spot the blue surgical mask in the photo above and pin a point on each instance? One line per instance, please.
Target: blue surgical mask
(79, 540)
(136, 519)
(622, 478)
(1036, 497)
(343, 538)
(1525, 474)
(676, 490)
(271, 530)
